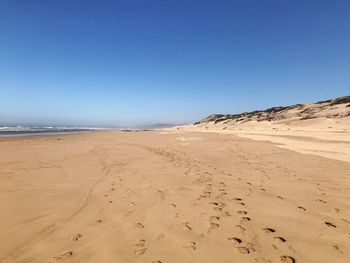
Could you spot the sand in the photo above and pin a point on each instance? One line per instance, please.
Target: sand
(323, 137)
(321, 128)
(170, 196)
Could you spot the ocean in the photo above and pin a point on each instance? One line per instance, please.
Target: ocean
(15, 131)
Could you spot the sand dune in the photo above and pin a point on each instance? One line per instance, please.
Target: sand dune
(321, 128)
(169, 196)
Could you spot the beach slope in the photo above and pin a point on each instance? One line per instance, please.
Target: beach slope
(169, 196)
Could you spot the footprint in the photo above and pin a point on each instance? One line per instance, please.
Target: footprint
(346, 221)
(269, 230)
(214, 218)
(213, 225)
(242, 212)
(217, 204)
(336, 247)
(245, 218)
(173, 205)
(322, 201)
(237, 199)
(330, 224)
(280, 197)
(186, 226)
(191, 245)
(235, 240)
(140, 225)
(128, 213)
(64, 255)
(287, 259)
(226, 213)
(140, 251)
(241, 228)
(222, 204)
(280, 239)
(243, 250)
(76, 237)
(140, 243)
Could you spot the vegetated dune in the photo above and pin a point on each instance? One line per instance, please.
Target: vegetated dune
(321, 128)
(338, 108)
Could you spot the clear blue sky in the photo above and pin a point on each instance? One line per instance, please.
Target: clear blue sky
(108, 63)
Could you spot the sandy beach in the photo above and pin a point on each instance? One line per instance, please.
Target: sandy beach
(175, 131)
(170, 196)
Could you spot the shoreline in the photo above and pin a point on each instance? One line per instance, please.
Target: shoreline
(36, 133)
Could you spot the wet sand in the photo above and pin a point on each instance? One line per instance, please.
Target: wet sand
(169, 197)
